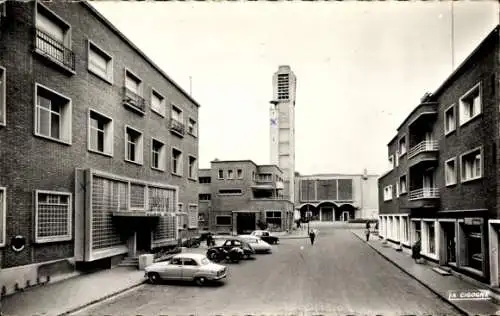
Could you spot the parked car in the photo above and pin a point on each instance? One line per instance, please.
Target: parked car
(259, 245)
(232, 249)
(266, 236)
(187, 267)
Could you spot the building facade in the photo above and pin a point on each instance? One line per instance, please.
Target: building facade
(337, 197)
(282, 129)
(235, 196)
(99, 147)
(442, 185)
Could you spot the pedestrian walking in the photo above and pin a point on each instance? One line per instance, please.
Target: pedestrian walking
(312, 236)
(367, 231)
(415, 251)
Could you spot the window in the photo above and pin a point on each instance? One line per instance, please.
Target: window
(3, 216)
(239, 173)
(158, 160)
(402, 185)
(230, 192)
(397, 159)
(470, 104)
(221, 174)
(471, 165)
(132, 93)
(391, 162)
(193, 216)
(177, 121)
(133, 83)
(450, 171)
(100, 133)
(176, 114)
(52, 115)
(402, 146)
(133, 145)
(449, 120)
(192, 168)
(406, 229)
(473, 246)
(388, 193)
(3, 94)
(52, 216)
(223, 220)
(176, 162)
(192, 127)
(430, 238)
(205, 180)
(53, 37)
(230, 174)
(204, 197)
(157, 103)
(100, 63)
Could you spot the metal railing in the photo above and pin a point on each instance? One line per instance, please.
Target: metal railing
(54, 49)
(177, 126)
(426, 145)
(424, 193)
(134, 100)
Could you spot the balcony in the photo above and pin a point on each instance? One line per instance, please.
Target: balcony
(424, 152)
(133, 101)
(426, 197)
(177, 127)
(48, 46)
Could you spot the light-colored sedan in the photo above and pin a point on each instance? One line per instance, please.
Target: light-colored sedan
(259, 245)
(187, 267)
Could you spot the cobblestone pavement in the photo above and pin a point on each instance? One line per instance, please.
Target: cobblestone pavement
(339, 275)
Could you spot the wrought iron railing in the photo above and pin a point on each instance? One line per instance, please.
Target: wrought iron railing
(177, 126)
(53, 48)
(426, 145)
(134, 100)
(424, 193)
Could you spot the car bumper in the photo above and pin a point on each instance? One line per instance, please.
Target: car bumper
(217, 278)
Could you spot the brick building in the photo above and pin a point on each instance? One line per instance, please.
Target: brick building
(98, 145)
(336, 197)
(235, 195)
(442, 186)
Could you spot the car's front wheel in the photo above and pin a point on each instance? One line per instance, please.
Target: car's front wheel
(153, 277)
(213, 256)
(200, 280)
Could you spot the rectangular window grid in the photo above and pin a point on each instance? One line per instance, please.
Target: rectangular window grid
(53, 216)
(193, 216)
(137, 196)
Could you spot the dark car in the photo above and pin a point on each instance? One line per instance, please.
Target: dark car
(266, 236)
(232, 249)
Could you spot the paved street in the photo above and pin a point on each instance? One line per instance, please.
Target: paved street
(338, 275)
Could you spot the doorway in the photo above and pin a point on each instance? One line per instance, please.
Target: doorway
(245, 223)
(345, 216)
(327, 214)
(450, 241)
(143, 240)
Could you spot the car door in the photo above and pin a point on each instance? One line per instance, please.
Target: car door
(189, 268)
(172, 271)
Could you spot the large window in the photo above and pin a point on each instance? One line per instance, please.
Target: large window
(449, 120)
(52, 115)
(100, 133)
(192, 168)
(133, 145)
(3, 94)
(193, 216)
(53, 214)
(273, 219)
(402, 185)
(223, 220)
(402, 146)
(430, 238)
(100, 63)
(3, 211)
(158, 160)
(470, 104)
(158, 103)
(471, 165)
(473, 245)
(450, 171)
(176, 162)
(388, 193)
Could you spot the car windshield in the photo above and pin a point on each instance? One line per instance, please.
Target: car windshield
(205, 261)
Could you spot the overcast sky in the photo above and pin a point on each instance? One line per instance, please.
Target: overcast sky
(361, 68)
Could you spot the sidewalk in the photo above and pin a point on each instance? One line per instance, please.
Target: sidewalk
(72, 294)
(437, 283)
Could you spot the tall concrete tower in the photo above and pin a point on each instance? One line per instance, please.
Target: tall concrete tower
(282, 136)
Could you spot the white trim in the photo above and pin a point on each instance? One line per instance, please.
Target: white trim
(111, 176)
(480, 148)
(163, 102)
(392, 193)
(141, 82)
(465, 95)
(140, 145)
(195, 225)
(69, 235)
(456, 171)
(110, 62)
(112, 132)
(3, 209)
(68, 108)
(180, 172)
(3, 101)
(454, 108)
(162, 152)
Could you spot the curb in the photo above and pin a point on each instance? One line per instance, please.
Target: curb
(76, 309)
(442, 297)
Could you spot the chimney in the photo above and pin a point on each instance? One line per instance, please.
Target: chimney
(365, 174)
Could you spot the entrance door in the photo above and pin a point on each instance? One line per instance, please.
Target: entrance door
(327, 214)
(450, 242)
(143, 241)
(245, 223)
(345, 216)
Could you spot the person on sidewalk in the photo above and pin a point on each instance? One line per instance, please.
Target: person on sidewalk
(415, 251)
(312, 236)
(367, 231)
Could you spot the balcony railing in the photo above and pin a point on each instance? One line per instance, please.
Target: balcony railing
(51, 47)
(133, 100)
(424, 193)
(177, 126)
(426, 145)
